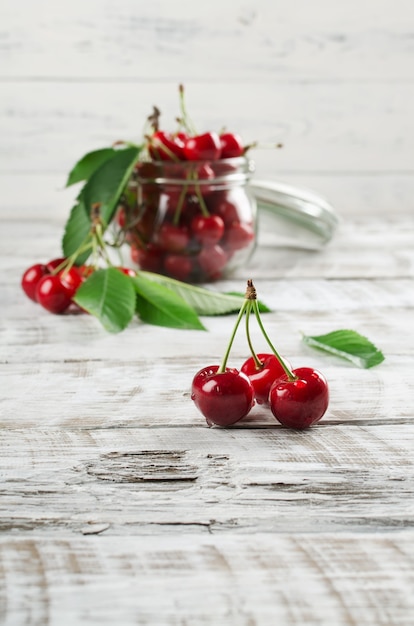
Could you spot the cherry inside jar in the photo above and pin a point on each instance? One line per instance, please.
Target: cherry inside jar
(191, 220)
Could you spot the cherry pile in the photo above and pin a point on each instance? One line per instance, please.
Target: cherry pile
(184, 213)
(298, 398)
(54, 284)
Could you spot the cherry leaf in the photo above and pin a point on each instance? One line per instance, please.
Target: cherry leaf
(105, 186)
(347, 344)
(159, 305)
(203, 301)
(108, 182)
(88, 164)
(109, 295)
(76, 230)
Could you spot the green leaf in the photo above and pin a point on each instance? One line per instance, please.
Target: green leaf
(88, 164)
(107, 183)
(159, 305)
(105, 186)
(203, 301)
(76, 230)
(347, 344)
(109, 295)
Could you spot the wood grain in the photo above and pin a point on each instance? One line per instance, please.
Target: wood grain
(118, 505)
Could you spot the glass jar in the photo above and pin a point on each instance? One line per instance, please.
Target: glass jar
(191, 220)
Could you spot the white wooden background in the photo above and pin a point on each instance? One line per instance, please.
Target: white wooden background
(118, 505)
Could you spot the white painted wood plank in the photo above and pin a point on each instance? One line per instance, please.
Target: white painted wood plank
(161, 40)
(324, 127)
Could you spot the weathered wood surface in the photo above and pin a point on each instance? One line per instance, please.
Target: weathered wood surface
(117, 504)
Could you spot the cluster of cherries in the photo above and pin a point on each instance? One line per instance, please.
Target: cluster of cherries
(53, 285)
(184, 220)
(297, 398)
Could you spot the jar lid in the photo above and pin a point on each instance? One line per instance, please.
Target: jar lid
(292, 217)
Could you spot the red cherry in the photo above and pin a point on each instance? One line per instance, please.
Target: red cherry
(301, 402)
(204, 147)
(207, 230)
(54, 264)
(263, 377)
(173, 238)
(71, 280)
(231, 145)
(239, 235)
(52, 294)
(128, 271)
(223, 398)
(220, 204)
(148, 258)
(31, 277)
(178, 266)
(166, 147)
(212, 260)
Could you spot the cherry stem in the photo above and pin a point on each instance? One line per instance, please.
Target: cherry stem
(179, 206)
(287, 371)
(187, 123)
(256, 360)
(244, 308)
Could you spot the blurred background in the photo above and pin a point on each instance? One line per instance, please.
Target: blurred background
(332, 81)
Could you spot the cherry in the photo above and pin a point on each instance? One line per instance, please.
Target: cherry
(52, 294)
(301, 401)
(212, 260)
(178, 266)
(71, 280)
(31, 277)
(148, 258)
(54, 264)
(206, 147)
(173, 238)
(223, 206)
(239, 235)
(263, 376)
(166, 147)
(128, 271)
(207, 229)
(223, 398)
(231, 145)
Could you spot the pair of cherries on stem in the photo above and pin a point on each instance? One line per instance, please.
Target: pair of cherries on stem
(297, 398)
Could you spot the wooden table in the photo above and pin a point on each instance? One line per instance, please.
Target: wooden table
(120, 506)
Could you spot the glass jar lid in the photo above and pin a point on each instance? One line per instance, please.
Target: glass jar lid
(292, 217)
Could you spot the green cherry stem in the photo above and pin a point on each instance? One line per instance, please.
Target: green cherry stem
(186, 121)
(256, 360)
(244, 308)
(288, 372)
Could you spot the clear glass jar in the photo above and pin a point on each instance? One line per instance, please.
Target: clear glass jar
(191, 220)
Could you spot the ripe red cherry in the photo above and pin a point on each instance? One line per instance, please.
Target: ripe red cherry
(71, 280)
(208, 229)
(54, 264)
(178, 266)
(212, 260)
(31, 277)
(148, 258)
(128, 271)
(52, 295)
(223, 398)
(263, 377)
(231, 145)
(166, 147)
(239, 235)
(173, 238)
(301, 402)
(206, 147)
